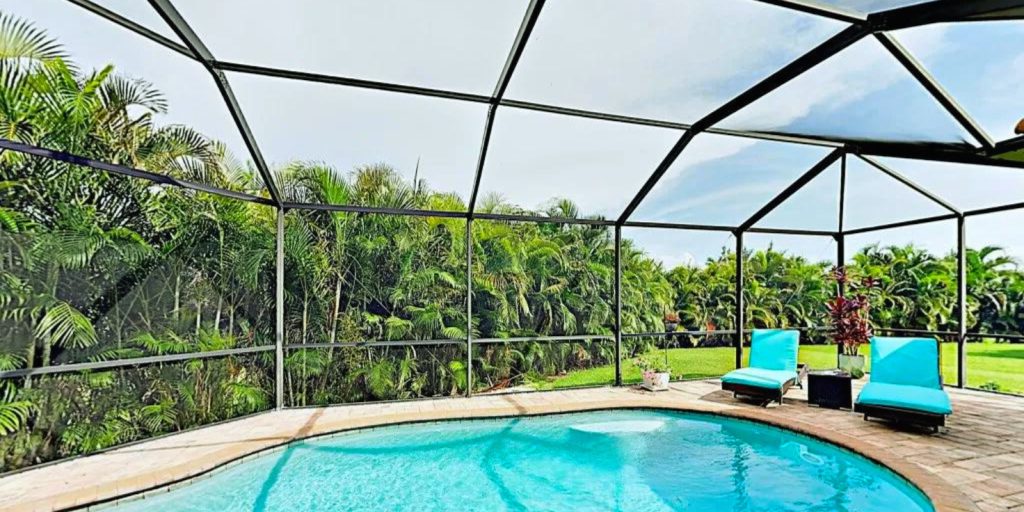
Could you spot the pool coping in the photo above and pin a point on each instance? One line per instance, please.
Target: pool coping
(944, 496)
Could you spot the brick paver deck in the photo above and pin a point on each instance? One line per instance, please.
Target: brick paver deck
(977, 463)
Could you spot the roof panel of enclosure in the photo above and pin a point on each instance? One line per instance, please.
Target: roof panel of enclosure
(723, 180)
(141, 13)
(869, 6)
(815, 206)
(980, 64)
(448, 44)
(860, 93)
(661, 60)
(967, 187)
(420, 88)
(174, 93)
(535, 159)
(874, 198)
(303, 126)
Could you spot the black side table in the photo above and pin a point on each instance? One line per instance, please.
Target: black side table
(830, 388)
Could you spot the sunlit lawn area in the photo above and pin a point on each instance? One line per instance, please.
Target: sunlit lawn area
(988, 362)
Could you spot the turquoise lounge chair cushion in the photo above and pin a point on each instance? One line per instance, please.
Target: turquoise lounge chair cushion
(905, 362)
(774, 349)
(915, 398)
(759, 377)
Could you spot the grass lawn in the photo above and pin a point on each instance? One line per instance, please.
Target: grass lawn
(987, 362)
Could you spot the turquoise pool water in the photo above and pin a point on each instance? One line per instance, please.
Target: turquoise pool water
(616, 460)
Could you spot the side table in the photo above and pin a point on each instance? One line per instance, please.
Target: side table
(830, 388)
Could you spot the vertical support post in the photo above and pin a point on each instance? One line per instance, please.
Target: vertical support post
(618, 305)
(841, 258)
(469, 307)
(840, 238)
(740, 313)
(840, 262)
(279, 314)
(961, 301)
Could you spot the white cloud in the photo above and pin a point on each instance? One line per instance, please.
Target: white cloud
(689, 203)
(668, 60)
(844, 79)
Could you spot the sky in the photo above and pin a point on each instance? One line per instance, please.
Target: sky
(675, 61)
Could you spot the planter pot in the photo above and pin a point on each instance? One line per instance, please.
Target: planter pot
(671, 326)
(854, 365)
(655, 381)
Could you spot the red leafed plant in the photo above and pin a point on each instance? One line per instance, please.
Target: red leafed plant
(849, 314)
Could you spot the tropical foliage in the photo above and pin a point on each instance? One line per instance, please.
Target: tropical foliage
(97, 267)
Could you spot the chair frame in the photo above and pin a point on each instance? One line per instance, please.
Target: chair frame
(767, 395)
(901, 415)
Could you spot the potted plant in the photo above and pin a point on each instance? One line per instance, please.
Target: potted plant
(671, 320)
(851, 326)
(656, 375)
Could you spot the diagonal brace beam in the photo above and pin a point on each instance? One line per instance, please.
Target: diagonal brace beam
(522, 37)
(804, 179)
(817, 55)
(131, 25)
(819, 9)
(910, 183)
(173, 18)
(934, 88)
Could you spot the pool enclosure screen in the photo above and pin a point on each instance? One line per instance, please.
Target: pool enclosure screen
(422, 196)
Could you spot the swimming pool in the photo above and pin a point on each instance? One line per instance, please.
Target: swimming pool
(611, 460)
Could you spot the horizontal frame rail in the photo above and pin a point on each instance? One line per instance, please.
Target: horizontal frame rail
(924, 332)
(162, 179)
(994, 209)
(305, 76)
(675, 333)
(713, 333)
(135, 361)
(372, 344)
(547, 339)
(902, 224)
(540, 219)
(1013, 337)
(341, 208)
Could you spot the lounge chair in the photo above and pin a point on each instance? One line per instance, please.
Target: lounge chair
(773, 368)
(905, 383)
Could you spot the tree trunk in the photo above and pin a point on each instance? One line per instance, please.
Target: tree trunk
(334, 321)
(47, 346)
(220, 306)
(305, 316)
(177, 296)
(30, 359)
(305, 324)
(47, 341)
